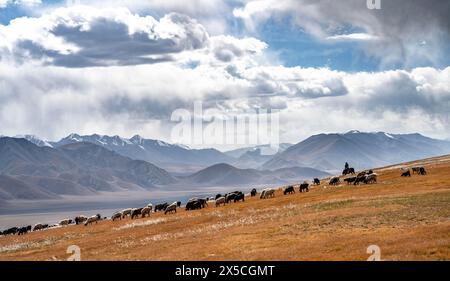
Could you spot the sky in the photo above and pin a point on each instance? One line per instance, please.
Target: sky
(123, 67)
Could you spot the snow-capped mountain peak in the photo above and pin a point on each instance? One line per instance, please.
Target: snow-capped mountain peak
(137, 139)
(33, 139)
(353, 132)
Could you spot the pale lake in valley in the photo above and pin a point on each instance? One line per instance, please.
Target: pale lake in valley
(29, 212)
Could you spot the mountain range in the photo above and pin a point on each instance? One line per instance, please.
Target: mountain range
(28, 171)
(361, 150)
(172, 157)
(32, 168)
(224, 174)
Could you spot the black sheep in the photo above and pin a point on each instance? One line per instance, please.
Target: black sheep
(239, 197)
(304, 186)
(406, 174)
(289, 190)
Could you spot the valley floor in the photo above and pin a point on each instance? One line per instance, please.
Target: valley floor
(407, 218)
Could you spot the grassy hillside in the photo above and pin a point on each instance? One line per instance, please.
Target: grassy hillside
(408, 218)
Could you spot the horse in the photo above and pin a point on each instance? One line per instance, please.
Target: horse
(347, 171)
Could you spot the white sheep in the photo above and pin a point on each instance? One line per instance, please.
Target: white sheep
(220, 200)
(171, 208)
(92, 219)
(266, 193)
(126, 212)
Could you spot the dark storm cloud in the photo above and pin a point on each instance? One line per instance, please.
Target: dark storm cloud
(109, 41)
(405, 32)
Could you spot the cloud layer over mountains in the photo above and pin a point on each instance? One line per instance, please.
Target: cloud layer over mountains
(93, 69)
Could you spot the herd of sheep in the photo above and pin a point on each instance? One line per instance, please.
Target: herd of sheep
(366, 177)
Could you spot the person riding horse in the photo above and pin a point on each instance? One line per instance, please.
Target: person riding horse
(346, 166)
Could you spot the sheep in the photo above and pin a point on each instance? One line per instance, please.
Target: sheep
(136, 212)
(38, 226)
(24, 230)
(93, 219)
(372, 178)
(65, 222)
(80, 219)
(12, 230)
(350, 180)
(230, 196)
(406, 173)
(146, 211)
(334, 181)
(360, 178)
(289, 190)
(416, 170)
(193, 205)
(304, 186)
(161, 207)
(220, 200)
(239, 197)
(171, 208)
(203, 202)
(422, 171)
(363, 173)
(126, 212)
(116, 215)
(266, 193)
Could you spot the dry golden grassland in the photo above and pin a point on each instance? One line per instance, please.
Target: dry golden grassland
(408, 218)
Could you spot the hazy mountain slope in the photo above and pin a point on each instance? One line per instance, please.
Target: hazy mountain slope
(29, 171)
(169, 156)
(223, 174)
(251, 159)
(12, 188)
(361, 150)
(265, 150)
(107, 164)
(226, 175)
(19, 156)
